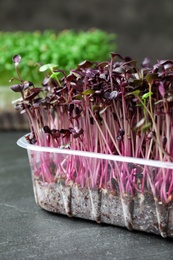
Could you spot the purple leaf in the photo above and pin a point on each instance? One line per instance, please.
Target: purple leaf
(17, 87)
(146, 63)
(85, 64)
(113, 94)
(161, 89)
(16, 59)
(47, 129)
(33, 93)
(91, 73)
(27, 84)
(55, 133)
(45, 81)
(113, 54)
(37, 102)
(78, 133)
(77, 111)
(163, 62)
(70, 108)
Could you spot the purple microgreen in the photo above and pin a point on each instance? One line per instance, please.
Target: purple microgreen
(113, 94)
(16, 59)
(161, 89)
(164, 140)
(85, 64)
(32, 93)
(110, 107)
(70, 108)
(17, 87)
(47, 129)
(77, 111)
(146, 63)
(55, 133)
(46, 81)
(78, 133)
(121, 132)
(113, 55)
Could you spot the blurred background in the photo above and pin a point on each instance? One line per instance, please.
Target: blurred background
(142, 28)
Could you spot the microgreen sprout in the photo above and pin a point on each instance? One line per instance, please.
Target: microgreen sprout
(111, 107)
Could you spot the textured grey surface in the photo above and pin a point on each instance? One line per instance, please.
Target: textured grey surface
(144, 28)
(28, 232)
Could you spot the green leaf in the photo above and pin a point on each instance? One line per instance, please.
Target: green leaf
(103, 110)
(145, 127)
(150, 77)
(46, 67)
(137, 82)
(54, 75)
(65, 146)
(140, 123)
(95, 108)
(147, 95)
(88, 92)
(139, 105)
(135, 93)
(77, 97)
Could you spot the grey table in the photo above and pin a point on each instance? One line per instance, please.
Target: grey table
(29, 232)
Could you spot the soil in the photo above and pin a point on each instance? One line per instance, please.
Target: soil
(142, 212)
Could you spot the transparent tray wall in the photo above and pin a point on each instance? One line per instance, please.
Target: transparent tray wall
(126, 192)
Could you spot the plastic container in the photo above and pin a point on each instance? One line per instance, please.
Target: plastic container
(122, 191)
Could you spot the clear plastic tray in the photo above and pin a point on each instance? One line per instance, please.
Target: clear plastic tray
(123, 191)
